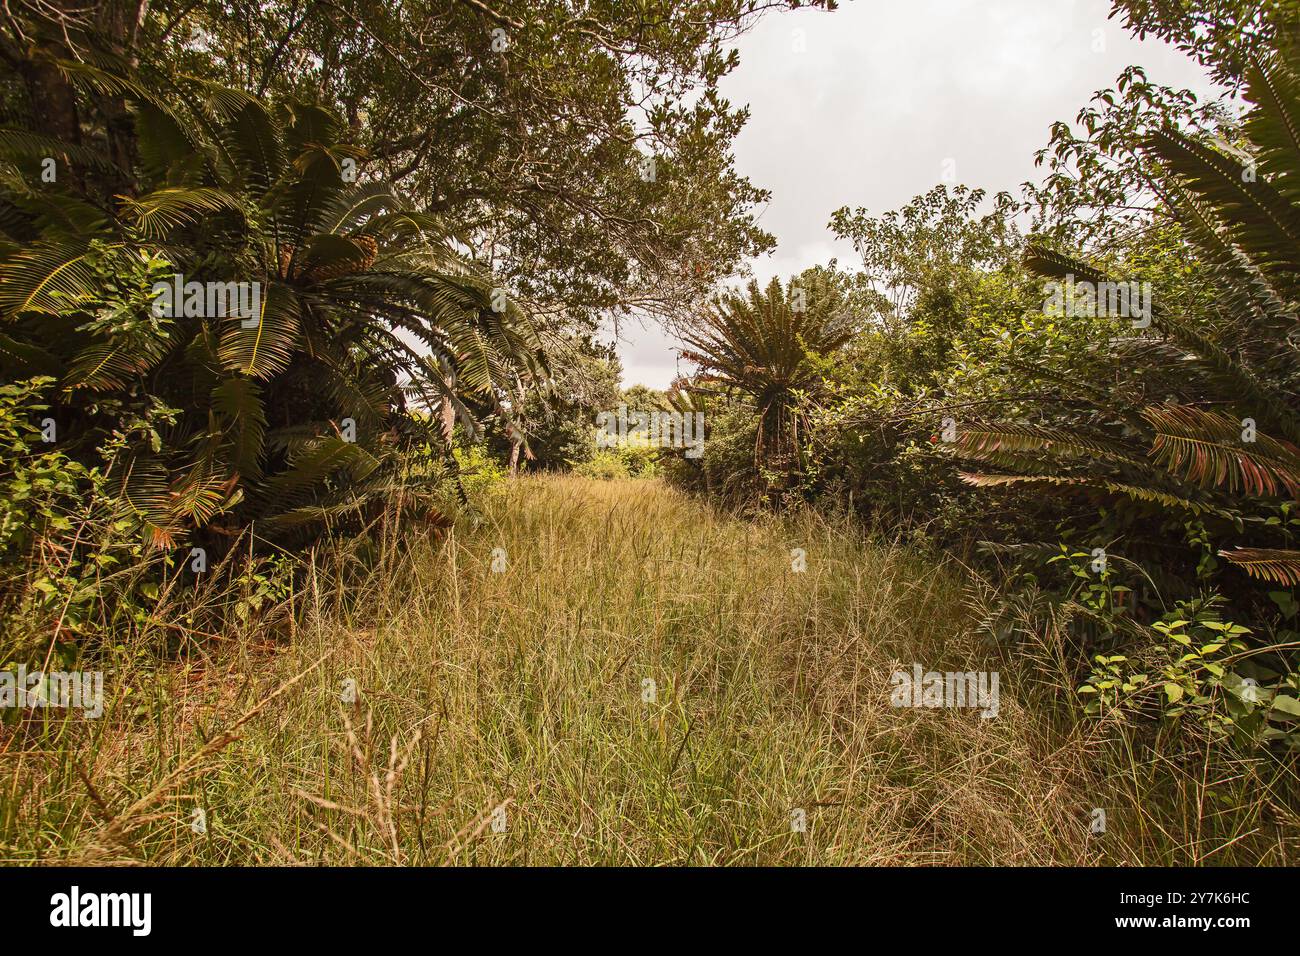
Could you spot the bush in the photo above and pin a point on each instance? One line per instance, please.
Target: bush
(726, 467)
(68, 554)
(640, 461)
(480, 472)
(606, 466)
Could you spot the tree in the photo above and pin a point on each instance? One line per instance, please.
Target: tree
(761, 344)
(553, 427)
(1223, 35)
(586, 159)
(1101, 189)
(905, 250)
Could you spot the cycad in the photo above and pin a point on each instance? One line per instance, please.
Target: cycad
(1227, 444)
(299, 414)
(761, 344)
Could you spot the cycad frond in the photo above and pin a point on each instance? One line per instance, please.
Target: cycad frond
(197, 497)
(307, 193)
(116, 363)
(1230, 376)
(1057, 265)
(53, 279)
(983, 440)
(268, 346)
(253, 142)
(1258, 218)
(29, 149)
(162, 211)
(1209, 449)
(164, 123)
(238, 403)
(366, 202)
(142, 481)
(1135, 492)
(1280, 567)
(1274, 126)
(316, 459)
(1246, 293)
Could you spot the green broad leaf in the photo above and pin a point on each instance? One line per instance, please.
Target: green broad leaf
(1174, 693)
(1286, 704)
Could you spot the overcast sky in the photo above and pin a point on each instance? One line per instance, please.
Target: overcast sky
(863, 106)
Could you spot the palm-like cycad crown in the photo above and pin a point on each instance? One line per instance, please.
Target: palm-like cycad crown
(293, 415)
(761, 344)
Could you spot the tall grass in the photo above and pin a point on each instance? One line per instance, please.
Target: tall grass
(522, 696)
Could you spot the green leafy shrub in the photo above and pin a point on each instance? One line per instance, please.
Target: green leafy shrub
(1198, 669)
(70, 556)
(640, 461)
(479, 472)
(725, 468)
(605, 466)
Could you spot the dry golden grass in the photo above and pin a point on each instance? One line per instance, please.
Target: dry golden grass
(522, 692)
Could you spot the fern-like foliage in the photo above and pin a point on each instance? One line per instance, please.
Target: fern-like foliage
(1208, 449)
(301, 408)
(1276, 566)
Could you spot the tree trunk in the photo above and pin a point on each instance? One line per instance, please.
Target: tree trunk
(54, 101)
(447, 415)
(119, 24)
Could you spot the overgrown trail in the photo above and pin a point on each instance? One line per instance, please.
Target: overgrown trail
(630, 678)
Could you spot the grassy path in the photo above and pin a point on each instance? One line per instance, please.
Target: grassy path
(639, 680)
